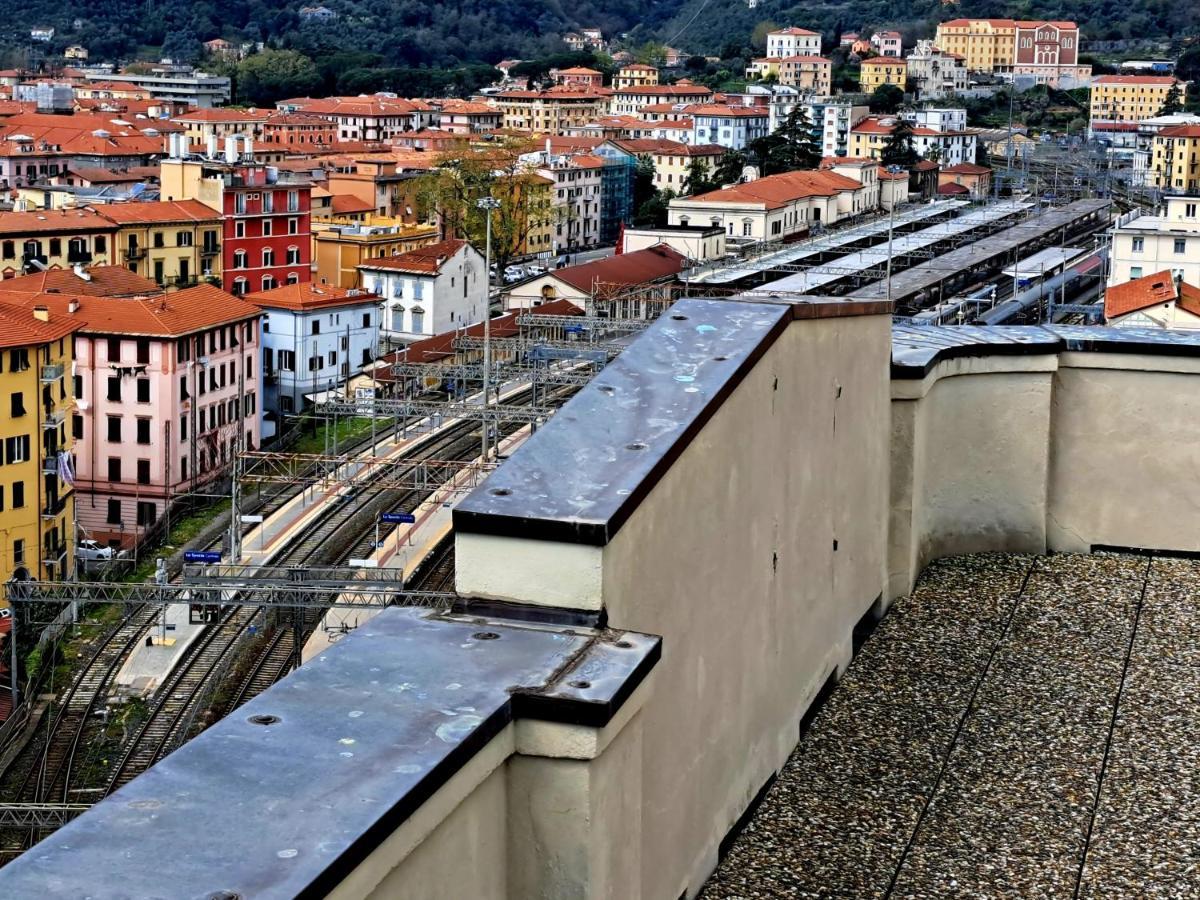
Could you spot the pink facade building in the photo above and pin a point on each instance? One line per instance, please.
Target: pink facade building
(167, 387)
(1049, 52)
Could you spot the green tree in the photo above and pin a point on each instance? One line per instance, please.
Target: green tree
(790, 147)
(1173, 102)
(729, 169)
(758, 37)
(643, 181)
(886, 99)
(653, 213)
(275, 75)
(698, 179)
(899, 149)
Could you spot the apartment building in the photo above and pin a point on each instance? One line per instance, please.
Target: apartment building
(58, 238)
(875, 73)
(298, 131)
(1047, 52)
(672, 160)
(466, 117)
(888, 43)
(574, 199)
(1166, 241)
(434, 289)
(935, 74)
(793, 42)
(266, 239)
(220, 123)
(1129, 99)
(365, 118)
(778, 206)
(986, 45)
(340, 245)
(635, 75)
(629, 101)
(551, 111)
(1175, 159)
(949, 146)
(37, 501)
(174, 242)
(167, 389)
(732, 127)
(315, 337)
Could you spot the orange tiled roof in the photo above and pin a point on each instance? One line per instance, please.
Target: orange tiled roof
(1181, 131)
(348, 204)
(735, 112)
(795, 30)
(136, 213)
(1158, 80)
(1151, 290)
(20, 328)
(639, 267)
(101, 281)
(310, 296)
(426, 260)
(775, 191)
(884, 61)
(166, 315)
(56, 220)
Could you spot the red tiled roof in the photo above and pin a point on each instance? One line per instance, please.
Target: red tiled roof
(60, 220)
(1151, 290)
(951, 188)
(1161, 80)
(639, 267)
(306, 295)
(733, 112)
(1181, 131)
(135, 213)
(440, 347)
(775, 191)
(102, 281)
(805, 59)
(884, 61)
(578, 70)
(795, 30)
(967, 169)
(348, 204)
(667, 90)
(20, 328)
(425, 260)
(166, 315)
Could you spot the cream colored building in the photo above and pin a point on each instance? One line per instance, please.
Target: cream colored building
(341, 245)
(1168, 241)
(635, 75)
(986, 45)
(550, 112)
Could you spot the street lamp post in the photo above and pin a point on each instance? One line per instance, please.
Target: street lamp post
(488, 204)
(891, 170)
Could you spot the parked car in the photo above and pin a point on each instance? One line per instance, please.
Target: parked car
(530, 271)
(92, 553)
(514, 273)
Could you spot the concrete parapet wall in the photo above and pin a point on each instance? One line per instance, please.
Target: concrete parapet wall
(1062, 451)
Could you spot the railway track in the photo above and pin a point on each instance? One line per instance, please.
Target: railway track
(179, 703)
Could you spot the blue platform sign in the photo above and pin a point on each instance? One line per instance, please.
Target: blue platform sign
(202, 556)
(398, 518)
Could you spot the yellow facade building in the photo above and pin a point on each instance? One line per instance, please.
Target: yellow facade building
(1175, 159)
(987, 45)
(553, 111)
(175, 242)
(538, 205)
(883, 70)
(1131, 98)
(37, 501)
(54, 239)
(341, 244)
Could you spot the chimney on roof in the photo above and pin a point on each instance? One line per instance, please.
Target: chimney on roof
(41, 313)
(73, 305)
(81, 272)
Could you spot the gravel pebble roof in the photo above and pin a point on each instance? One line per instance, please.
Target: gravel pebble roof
(1019, 726)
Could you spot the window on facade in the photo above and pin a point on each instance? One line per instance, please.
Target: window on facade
(183, 239)
(143, 431)
(113, 516)
(17, 404)
(293, 256)
(316, 326)
(114, 429)
(1135, 272)
(287, 360)
(239, 229)
(239, 259)
(1181, 245)
(267, 229)
(143, 390)
(147, 512)
(143, 471)
(114, 390)
(293, 226)
(114, 468)
(77, 427)
(268, 258)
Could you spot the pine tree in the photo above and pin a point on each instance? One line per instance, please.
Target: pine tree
(899, 149)
(729, 169)
(1173, 103)
(699, 179)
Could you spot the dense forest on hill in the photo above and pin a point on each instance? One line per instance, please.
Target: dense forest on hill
(407, 37)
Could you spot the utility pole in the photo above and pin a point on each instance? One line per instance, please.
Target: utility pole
(488, 204)
(235, 507)
(892, 170)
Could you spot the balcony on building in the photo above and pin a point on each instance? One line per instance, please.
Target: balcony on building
(80, 256)
(52, 372)
(133, 254)
(52, 419)
(659, 589)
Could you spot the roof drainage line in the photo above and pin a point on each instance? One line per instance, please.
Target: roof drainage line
(912, 838)
(1112, 727)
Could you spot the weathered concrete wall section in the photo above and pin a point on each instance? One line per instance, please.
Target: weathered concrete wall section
(754, 557)
(1060, 451)
(1125, 460)
(969, 462)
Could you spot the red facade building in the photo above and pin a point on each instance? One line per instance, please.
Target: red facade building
(267, 229)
